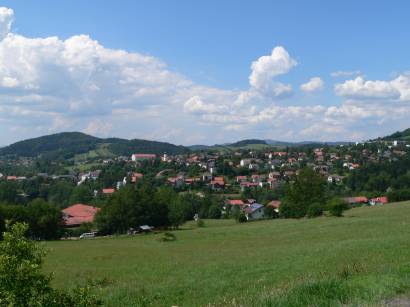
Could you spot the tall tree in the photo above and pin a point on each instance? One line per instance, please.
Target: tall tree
(307, 189)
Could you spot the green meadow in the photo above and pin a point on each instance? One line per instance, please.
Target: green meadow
(361, 259)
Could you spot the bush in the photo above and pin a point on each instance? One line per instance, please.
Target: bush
(168, 237)
(242, 218)
(269, 212)
(337, 206)
(314, 210)
(22, 282)
(399, 195)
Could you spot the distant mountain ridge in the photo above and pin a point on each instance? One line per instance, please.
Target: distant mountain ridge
(68, 144)
(267, 142)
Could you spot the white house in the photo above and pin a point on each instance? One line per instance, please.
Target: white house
(254, 212)
(245, 162)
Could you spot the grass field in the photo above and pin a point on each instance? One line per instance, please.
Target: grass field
(360, 259)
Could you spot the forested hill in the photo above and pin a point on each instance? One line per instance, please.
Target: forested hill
(399, 136)
(68, 144)
(248, 142)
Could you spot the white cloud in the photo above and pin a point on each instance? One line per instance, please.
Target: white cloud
(342, 73)
(6, 19)
(49, 85)
(313, 85)
(267, 67)
(396, 89)
(197, 106)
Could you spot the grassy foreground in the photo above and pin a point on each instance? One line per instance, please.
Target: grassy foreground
(360, 259)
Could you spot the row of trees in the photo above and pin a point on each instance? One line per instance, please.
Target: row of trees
(44, 219)
(159, 207)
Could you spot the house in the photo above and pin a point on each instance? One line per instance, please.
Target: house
(78, 214)
(218, 183)
(280, 154)
(275, 204)
(11, 178)
(274, 175)
(356, 200)
(245, 162)
(206, 176)
(136, 176)
(382, 200)
(235, 202)
(177, 182)
(335, 179)
(241, 178)
(253, 166)
(108, 191)
(254, 212)
(138, 157)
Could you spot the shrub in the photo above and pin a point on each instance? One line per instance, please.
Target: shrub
(22, 282)
(269, 212)
(168, 237)
(399, 195)
(314, 210)
(337, 206)
(242, 218)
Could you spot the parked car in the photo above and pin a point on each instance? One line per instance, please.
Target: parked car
(87, 235)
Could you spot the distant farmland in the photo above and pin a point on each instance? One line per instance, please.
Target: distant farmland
(363, 257)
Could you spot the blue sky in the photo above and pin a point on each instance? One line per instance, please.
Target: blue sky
(210, 45)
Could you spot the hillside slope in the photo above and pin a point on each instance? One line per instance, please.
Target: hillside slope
(398, 136)
(361, 259)
(68, 144)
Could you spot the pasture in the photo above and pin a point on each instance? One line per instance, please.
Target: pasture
(361, 258)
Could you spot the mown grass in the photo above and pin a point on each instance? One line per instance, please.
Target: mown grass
(362, 258)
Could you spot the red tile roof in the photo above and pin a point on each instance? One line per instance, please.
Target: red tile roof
(235, 202)
(108, 191)
(144, 156)
(356, 200)
(275, 204)
(136, 176)
(79, 214)
(382, 200)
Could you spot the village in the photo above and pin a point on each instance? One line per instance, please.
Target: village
(246, 180)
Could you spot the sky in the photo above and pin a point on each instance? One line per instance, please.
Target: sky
(191, 72)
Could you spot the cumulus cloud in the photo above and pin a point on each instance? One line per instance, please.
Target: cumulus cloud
(50, 84)
(359, 88)
(265, 68)
(313, 85)
(6, 19)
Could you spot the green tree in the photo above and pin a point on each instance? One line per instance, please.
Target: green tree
(177, 209)
(337, 206)
(81, 194)
(214, 211)
(60, 193)
(307, 189)
(120, 212)
(22, 282)
(45, 220)
(8, 192)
